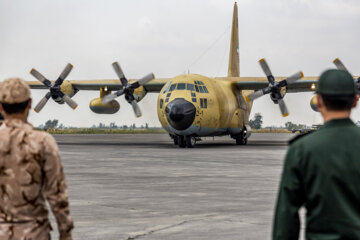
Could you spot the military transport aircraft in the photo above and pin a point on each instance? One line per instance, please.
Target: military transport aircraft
(189, 106)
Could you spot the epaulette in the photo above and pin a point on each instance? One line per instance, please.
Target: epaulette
(300, 135)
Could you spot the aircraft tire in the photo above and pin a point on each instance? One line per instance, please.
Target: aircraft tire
(240, 140)
(181, 141)
(190, 141)
(176, 140)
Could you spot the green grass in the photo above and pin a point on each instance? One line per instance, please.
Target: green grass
(104, 131)
(137, 131)
(268, 130)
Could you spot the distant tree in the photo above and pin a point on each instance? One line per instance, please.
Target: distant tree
(146, 125)
(125, 127)
(49, 124)
(256, 123)
(113, 125)
(291, 126)
(61, 126)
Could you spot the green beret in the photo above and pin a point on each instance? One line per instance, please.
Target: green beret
(335, 82)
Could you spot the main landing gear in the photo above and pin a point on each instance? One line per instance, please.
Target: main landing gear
(184, 141)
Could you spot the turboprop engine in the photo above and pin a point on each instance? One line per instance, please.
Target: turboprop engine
(60, 91)
(67, 88)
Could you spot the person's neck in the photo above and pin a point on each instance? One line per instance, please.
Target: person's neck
(332, 115)
(16, 116)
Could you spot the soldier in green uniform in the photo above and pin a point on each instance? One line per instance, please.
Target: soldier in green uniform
(322, 170)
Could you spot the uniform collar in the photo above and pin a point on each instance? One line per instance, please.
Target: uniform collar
(339, 122)
(17, 123)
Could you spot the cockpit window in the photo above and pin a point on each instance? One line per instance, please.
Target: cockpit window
(201, 89)
(190, 87)
(167, 86)
(173, 87)
(205, 89)
(197, 88)
(181, 86)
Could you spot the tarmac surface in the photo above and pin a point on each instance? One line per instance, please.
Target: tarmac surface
(141, 186)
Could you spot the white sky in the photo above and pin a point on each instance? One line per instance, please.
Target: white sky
(166, 37)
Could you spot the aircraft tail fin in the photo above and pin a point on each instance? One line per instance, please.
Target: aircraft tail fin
(234, 61)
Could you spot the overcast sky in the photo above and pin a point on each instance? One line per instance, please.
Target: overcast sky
(167, 37)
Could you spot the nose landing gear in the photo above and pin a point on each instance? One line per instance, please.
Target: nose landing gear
(184, 141)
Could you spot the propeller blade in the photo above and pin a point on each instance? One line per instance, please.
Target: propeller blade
(283, 108)
(40, 77)
(70, 102)
(293, 78)
(66, 71)
(108, 98)
(146, 79)
(254, 95)
(338, 63)
(265, 67)
(120, 73)
(42, 102)
(136, 108)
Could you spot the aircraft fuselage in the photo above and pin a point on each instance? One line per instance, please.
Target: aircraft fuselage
(195, 105)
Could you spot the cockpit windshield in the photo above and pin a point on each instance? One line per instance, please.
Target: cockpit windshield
(181, 86)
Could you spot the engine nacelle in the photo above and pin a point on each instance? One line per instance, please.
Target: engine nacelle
(98, 107)
(313, 103)
(139, 93)
(67, 88)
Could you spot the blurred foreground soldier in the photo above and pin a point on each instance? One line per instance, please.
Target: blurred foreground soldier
(30, 172)
(322, 170)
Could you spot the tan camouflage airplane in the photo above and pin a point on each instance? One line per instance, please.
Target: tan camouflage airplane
(189, 106)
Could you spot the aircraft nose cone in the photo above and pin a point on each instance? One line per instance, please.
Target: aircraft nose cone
(180, 113)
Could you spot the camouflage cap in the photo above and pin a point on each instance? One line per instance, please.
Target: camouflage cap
(14, 90)
(336, 83)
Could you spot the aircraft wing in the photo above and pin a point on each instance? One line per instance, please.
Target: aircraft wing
(254, 83)
(112, 84)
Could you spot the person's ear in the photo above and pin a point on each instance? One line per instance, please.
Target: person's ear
(355, 100)
(319, 101)
(29, 103)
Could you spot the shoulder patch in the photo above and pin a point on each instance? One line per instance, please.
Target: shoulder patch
(297, 137)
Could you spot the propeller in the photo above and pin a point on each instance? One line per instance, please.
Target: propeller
(339, 64)
(274, 87)
(55, 92)
(128, 89)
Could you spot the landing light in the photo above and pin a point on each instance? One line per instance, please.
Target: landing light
(106, 88)
(313, 86)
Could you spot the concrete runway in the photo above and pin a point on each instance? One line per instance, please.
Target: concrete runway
(144, 187)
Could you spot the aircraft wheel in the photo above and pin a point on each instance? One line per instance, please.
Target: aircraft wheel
(240, 140)
(176, 140)
(181, 141)
(190, 142)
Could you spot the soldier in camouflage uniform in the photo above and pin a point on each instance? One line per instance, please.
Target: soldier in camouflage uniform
(322, 170)
(30, 172)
